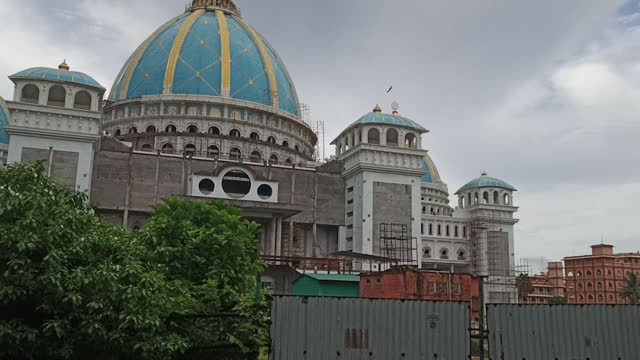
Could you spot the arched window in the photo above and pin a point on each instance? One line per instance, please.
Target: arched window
(82, 101)
(580, 298)
(589, 273)
(30, 94)
(424, 209)
(170, 129)
(235, 133)
(485, 197)
(609, 272)
(192, 129)
(589, 286)
(254, 136)
(426, 252)
(475, 198)
(461, 255)
(288, 161)
(447, 232)
(151, 129)
(392, 137)
(444, 253)
(147, 147)
(496, 198)
(439, 230)
(590, 297)
(410, 141)
(57, 96)
(285, 144)
(599, 285)
(214, 130)
(463, 201)
(296, 148)
(464, 231)
(507, 199)
(579, 273)
(133, 130)
(599, 273)
(430, 229)
(455, 231)
(374, 136)
(580, 286)
(256, 156)
(118, 132)
(271, 140)
(190, 150)
(235, 154)
(167, 148)
(273, 159)
(421, 228)
(213, 151)
(469, 203)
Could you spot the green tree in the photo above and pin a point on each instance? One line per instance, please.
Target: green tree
(524, 286)
(631, 289)
(211, 250)
(558, 300)
(73, 286)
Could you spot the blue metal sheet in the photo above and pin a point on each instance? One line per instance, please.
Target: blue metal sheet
(359, 329)
(596, 332)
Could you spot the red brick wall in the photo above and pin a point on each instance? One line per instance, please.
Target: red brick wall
(415, 285)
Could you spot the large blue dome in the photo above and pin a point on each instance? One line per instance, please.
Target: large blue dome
(208, 51)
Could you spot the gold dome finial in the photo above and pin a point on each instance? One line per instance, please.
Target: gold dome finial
(64, 65)
(484, 173)
(224, 5)
(395, 106)
(377, 109)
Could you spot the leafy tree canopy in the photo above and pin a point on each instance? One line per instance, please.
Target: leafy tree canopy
(631, 290)
(75, 287)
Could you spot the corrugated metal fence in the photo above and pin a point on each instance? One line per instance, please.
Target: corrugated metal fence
(588, 332)
(358, 329)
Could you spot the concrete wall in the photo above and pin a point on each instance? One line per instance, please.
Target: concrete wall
(392, 205)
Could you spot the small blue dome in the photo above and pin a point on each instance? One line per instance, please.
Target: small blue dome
(4, 121)
(433, 176)
(486, 181)
(43, 73)
(388, 119)
(209, 52)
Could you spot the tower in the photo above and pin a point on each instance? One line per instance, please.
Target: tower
(55, 117)
(488, 203)
(382, 156)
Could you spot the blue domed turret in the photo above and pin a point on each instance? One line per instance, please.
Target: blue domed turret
(485, 181)
(4, 121)
(208, 51)
(61, 74)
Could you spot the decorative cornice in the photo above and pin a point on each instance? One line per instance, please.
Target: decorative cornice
(225, 5)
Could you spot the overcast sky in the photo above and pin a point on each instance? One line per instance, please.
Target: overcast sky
(544, 94)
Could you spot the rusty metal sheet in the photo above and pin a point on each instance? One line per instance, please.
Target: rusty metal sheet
(319, 328)
(595, 332)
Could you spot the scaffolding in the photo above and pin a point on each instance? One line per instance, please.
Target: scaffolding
(491, 256)
(396, 244)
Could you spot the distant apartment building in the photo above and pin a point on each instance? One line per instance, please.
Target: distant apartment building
(599, 278)
(546, 286)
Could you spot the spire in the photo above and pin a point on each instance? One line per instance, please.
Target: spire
(225, 5)
(64, 66)
(377, 109)
(395, 106)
